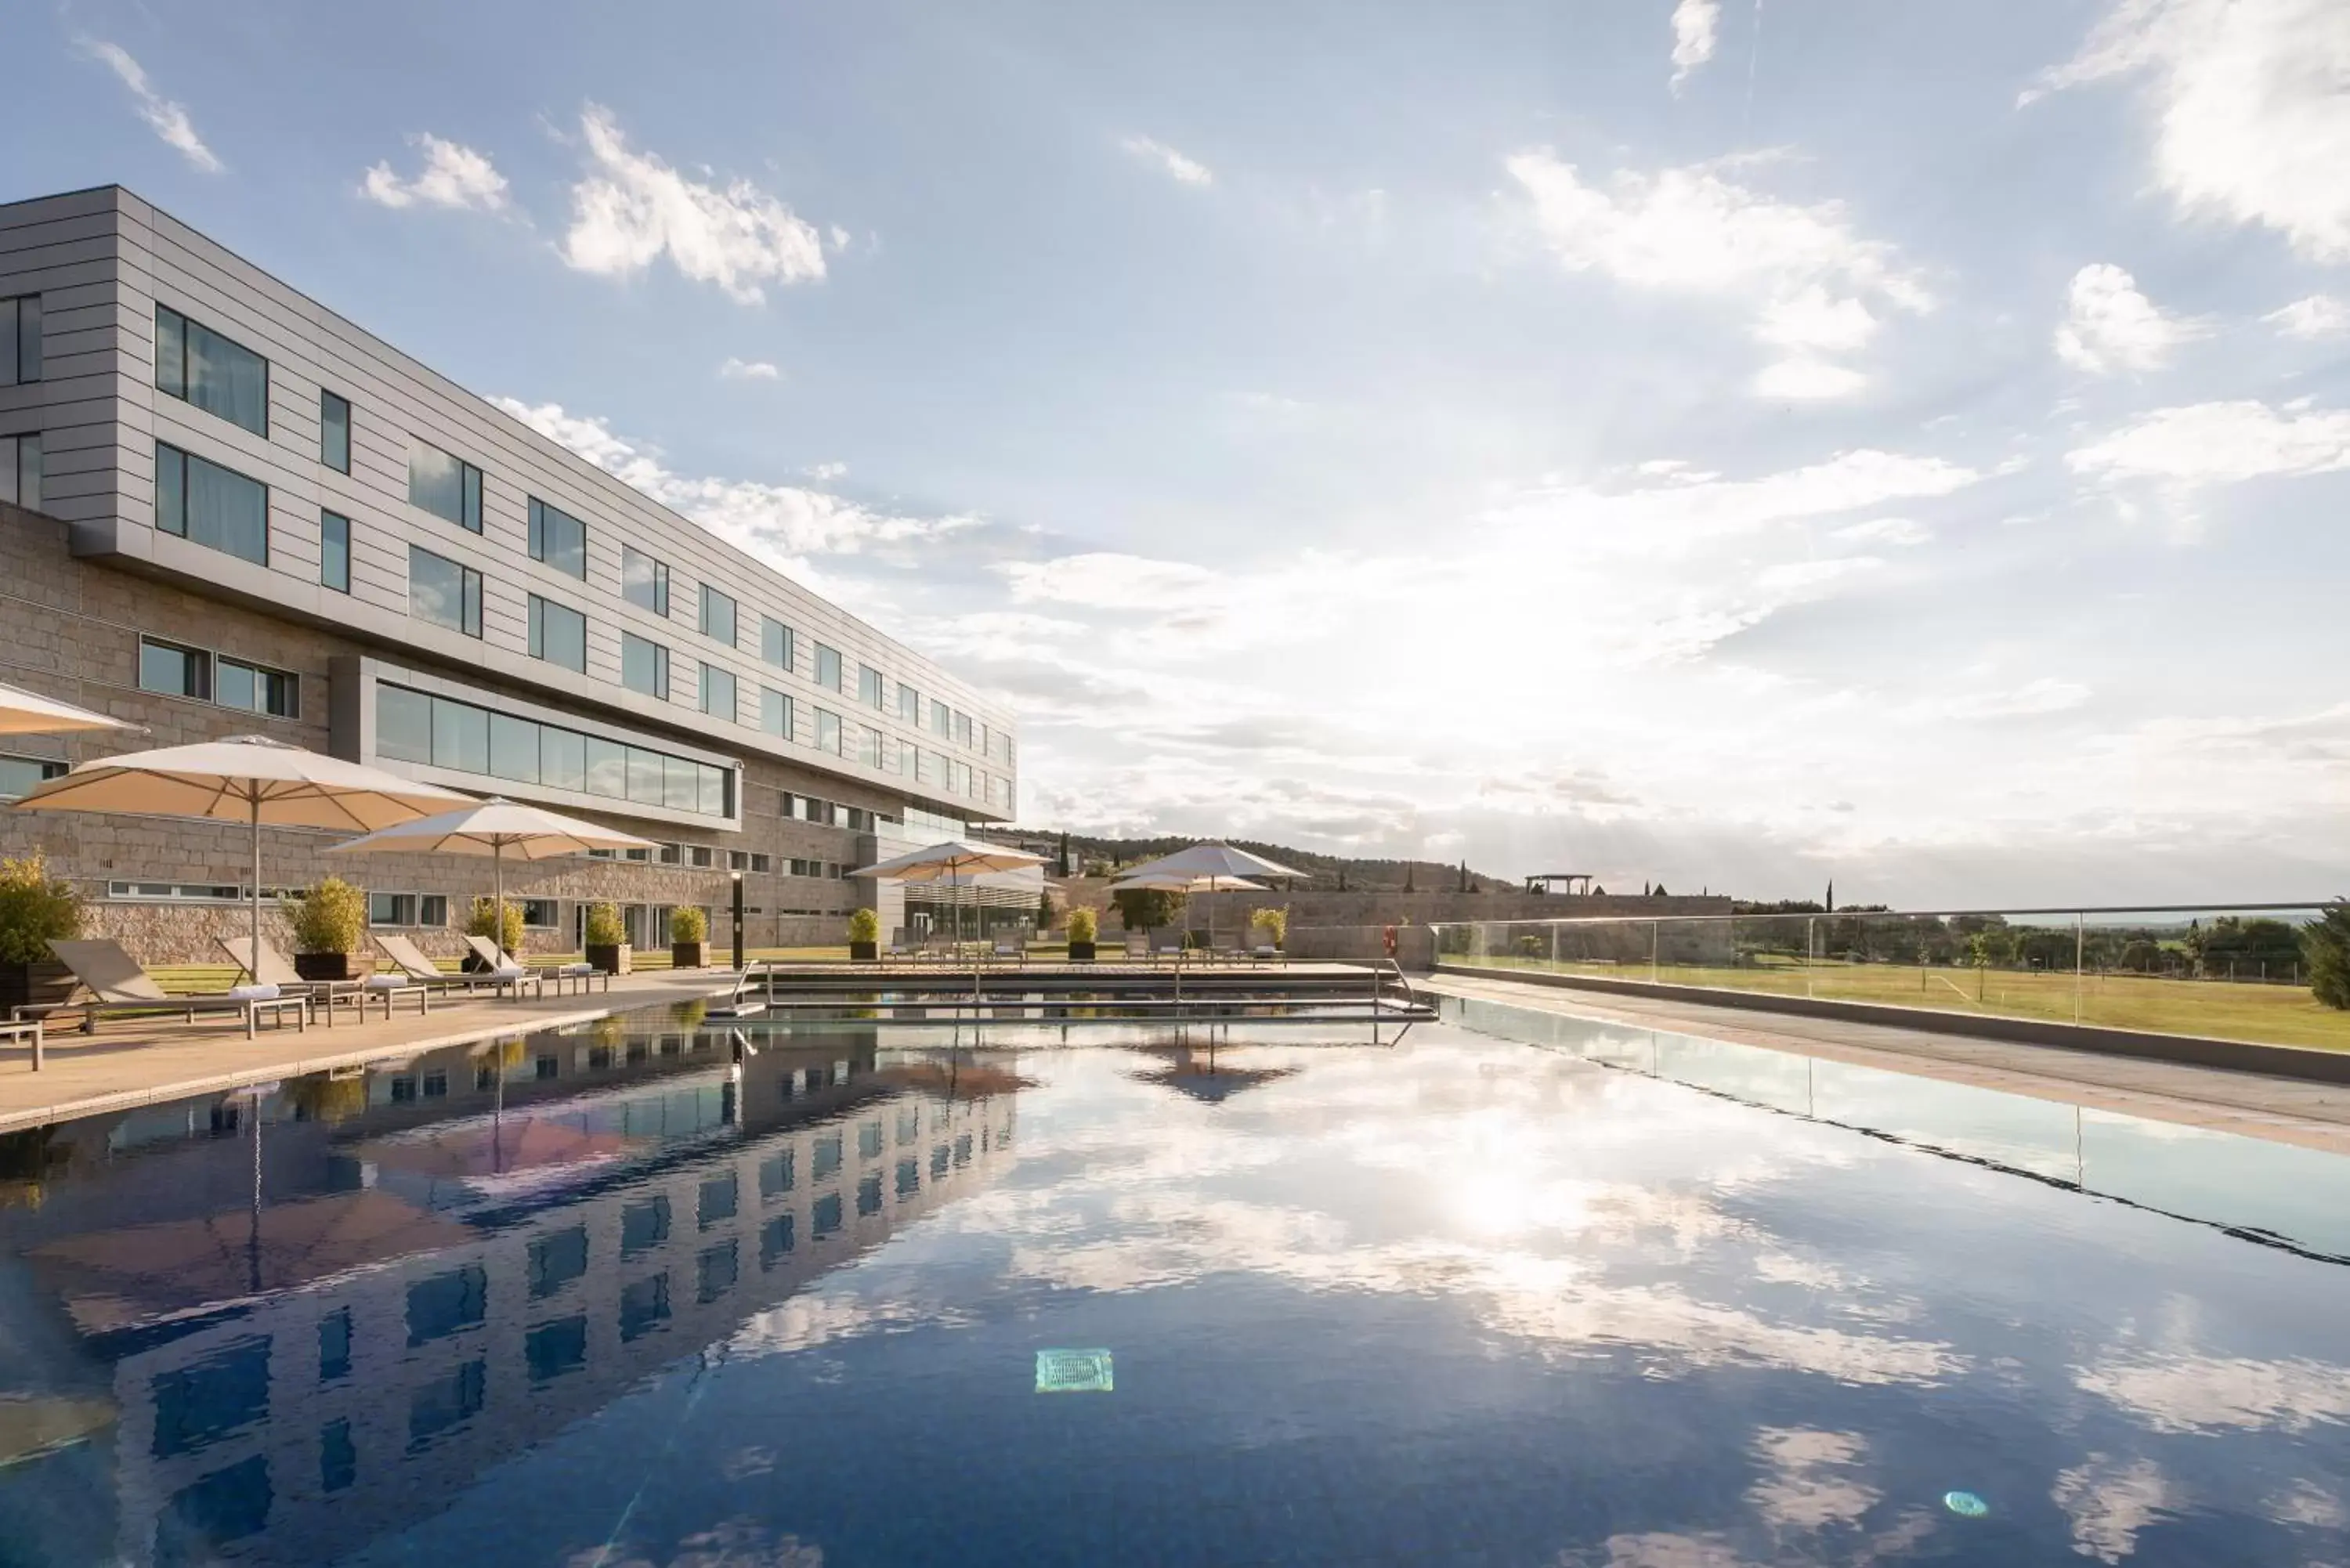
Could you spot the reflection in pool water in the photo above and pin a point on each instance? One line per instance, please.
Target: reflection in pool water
(605, 1298)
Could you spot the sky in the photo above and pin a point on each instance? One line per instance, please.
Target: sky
(1699, 441)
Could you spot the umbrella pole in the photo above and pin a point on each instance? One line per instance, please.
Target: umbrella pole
(253, 953)
(498, 896)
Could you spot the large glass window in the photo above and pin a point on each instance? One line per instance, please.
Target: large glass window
(872, 689)
(644, 665)
(644, 582)
(828, 731)
(775, 712)
(558, 634)
(941, 719)
(562, 758)
(774, 642)
(175, 670)
(608, 768)
(442, 592)
(20, 340)
(910, 704)
(446, 486)
(717, 616)
(558, 538)
(335, 550)
(828, 668)
(210, 506)
(513, 748)
(411, 726)
(334, 431)
(868, 746)
(20, 471)
(962, 729)
(236, 684)
(717, 692)
(217, 375)
(19, 774)
(403, 725)
(461, 736)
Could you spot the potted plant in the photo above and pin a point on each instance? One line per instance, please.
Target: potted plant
(864, 936)
(329, 923)
(1269, 928)
(688, 930)
(34, 908)
(484, 922)
(607, 940)
(1081, 936)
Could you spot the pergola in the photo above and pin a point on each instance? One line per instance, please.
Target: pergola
(1541, 882)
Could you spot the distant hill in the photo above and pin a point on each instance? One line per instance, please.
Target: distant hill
(1114, 854)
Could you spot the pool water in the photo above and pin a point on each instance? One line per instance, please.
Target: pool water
(880, 1296)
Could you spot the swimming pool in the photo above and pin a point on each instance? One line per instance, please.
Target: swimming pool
(605, 1298)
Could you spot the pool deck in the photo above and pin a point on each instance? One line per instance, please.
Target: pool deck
(136, 1062)
(2254, 1104)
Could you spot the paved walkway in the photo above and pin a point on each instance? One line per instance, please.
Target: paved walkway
(2283, 1110)
(137, 1062)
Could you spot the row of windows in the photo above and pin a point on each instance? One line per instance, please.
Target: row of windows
(176, 669)
(414, 726)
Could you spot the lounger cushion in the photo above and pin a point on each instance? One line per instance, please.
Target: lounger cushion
(253, 993)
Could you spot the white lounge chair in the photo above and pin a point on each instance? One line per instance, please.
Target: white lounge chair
(272, 968)
(413, 965)
(117, 985)
(500, 961)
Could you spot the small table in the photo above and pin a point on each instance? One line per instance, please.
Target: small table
(29, 1029)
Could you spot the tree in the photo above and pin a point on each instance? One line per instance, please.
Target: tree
(1660, 892)
(1044, 909)
(2325, 946)
(1407, 878)
(1065, 856)
(1147, 908)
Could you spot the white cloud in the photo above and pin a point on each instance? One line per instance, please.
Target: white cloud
(2219, 443)
(2109, 1502)
(1886, 531)
(1806, 380)
(2213, 1394)
(1189, 171)
(1810, 1478)
(165, 117)
(452, 176)
(1694, 25)
(2319, 316)
(1805, 273)
(825, 472)
(2252, 125)
(2109, 326)
(735, 370)
(632, 208)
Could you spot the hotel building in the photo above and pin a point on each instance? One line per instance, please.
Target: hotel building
(224, 509)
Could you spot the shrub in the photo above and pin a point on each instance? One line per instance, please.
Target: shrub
(1081, 925)
(688, 924)
(604, 927)
(2325, 943)
(35, 909)
(331, 917)
(1273, 922)
(864, 926)
(1147, 908)
(484, 922)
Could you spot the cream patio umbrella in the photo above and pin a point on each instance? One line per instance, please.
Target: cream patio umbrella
(1173, 882)
(492, 827)
(23, 712)
(957, 859)
(1221, 865)
(252, 779)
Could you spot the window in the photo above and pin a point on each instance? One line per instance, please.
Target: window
(941, 719)
(196, 364)
(644, 582)
(411, 726)
(335, 550)
(906, 755)
(19, 774)
(539, 914)
(775, 712)
(644, 665)
(774, 642)
(20, 471)
(717, 692)
(910, 704)
(446, 486)
(558, 538)
(403, 725)
(442, 593)
(427, 909)
(738, 860)
(868, 746)
(828, 731)
(20, 340)
(334, 431)
(562, 758)
(558, 634)
(216, 507)
(962, 729)
(869, 687)
(828, 668)
(717, 616)
(461, 736)
(236, 684)
(761, 863)
(513, 748)
(701, 857)
(175, 670)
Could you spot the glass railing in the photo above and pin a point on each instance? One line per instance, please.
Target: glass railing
(2233, 971)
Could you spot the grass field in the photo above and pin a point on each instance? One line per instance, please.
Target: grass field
(2225, 1010)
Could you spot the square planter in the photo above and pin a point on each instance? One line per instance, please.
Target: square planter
(1081, 953)
(863, 952)
(333, 966)
(687, 955)
(612, 960)
(44, 984)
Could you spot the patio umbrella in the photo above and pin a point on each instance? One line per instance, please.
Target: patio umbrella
(1175, 882)
(23, 712)
(251, 779)
(492, 827)
(955, 858)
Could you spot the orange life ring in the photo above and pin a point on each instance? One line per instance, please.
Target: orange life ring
(1392, 941)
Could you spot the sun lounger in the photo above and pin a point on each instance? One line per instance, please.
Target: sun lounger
(117, 985)
(31, 1032)
(1010, 950)
(497, 960)
(1137, 946)
(274, 968)
(415, 967)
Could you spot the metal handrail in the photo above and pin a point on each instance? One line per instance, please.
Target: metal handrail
(1626, 920)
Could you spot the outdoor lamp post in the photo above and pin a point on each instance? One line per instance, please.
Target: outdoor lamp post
(737, 875)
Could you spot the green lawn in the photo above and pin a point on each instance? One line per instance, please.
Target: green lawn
(2272, 1015)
